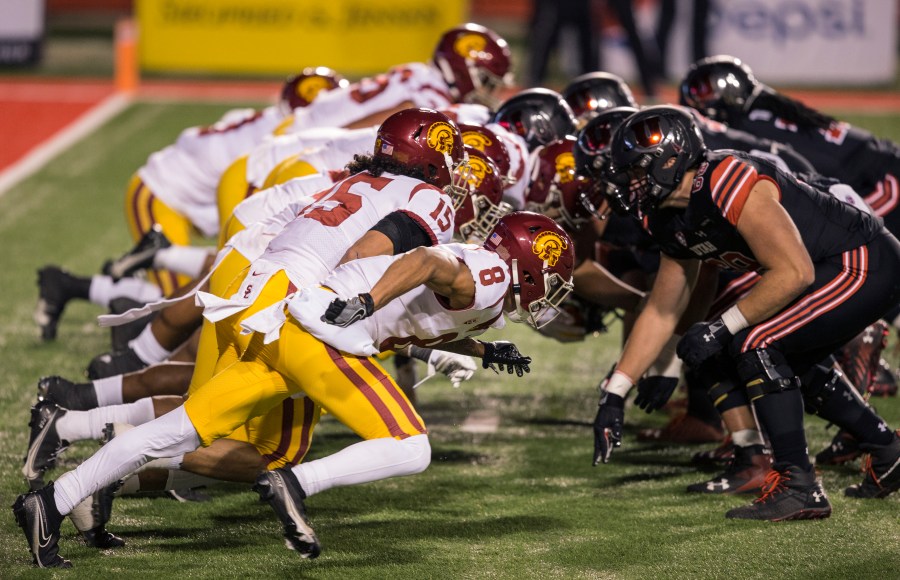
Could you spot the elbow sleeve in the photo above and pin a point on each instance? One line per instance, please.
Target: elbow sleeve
(403, 231)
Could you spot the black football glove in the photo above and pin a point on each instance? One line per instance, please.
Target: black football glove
(504, 354)
(343, 313)
(703, 340)
(608, 426)
(654, 392)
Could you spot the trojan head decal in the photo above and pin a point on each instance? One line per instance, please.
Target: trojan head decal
(549, 247)
(440, 137)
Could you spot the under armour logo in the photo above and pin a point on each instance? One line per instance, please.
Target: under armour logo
(709, 337)
(718, 485)
(882, 427)
(818, 496)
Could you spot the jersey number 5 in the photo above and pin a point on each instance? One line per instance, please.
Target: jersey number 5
(338, 204)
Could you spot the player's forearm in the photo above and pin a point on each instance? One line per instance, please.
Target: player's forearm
(409, 271)
(774, 291)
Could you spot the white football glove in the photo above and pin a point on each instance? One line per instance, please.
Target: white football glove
(457, 367)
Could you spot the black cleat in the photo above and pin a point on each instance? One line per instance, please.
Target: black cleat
(843, 448)
(884, 383)
(745, 474)
(140, 257)
(789, 493)
(92, 514)
(36, 514)
(111, 364)
(283, 492)
(723, 454)
(882, 469)
(121, 335)
(55, 288)
(66, 394)
(44, 444)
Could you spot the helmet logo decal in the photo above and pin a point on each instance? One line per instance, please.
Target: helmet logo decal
(310, 87)
(440, 137)
(476, 140)
(470, 46)
(549, 246)
(478, 169)
(565, 167)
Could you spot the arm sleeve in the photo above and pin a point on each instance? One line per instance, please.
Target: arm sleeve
(405, 232)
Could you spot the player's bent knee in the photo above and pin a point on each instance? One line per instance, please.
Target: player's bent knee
(416, 454)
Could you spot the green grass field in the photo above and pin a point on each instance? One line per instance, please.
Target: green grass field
(521, 501)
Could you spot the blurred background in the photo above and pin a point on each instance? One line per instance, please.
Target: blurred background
(831, 43)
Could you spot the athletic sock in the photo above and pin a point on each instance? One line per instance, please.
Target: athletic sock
(147, 348)
(781, 415)
(188, 260)
(109, 391)
(747, 437)
(846, 409)
(81, 425)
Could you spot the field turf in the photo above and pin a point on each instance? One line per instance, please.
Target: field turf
(510, 492)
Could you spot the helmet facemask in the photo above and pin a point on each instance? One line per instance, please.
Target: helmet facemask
(487, 215)
(541, 311)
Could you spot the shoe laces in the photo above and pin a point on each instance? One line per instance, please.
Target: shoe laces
(774, 483)
(868, 470)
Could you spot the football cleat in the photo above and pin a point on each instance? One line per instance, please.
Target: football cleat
(283, 492)
(44, 444)
(55, 288)
(745, 474)
(684, 429)
(92, 514)
(882, 469)
(788, 493)
(140, 257)
(111, 364)
(724, 453)
(843, 448)
(859, 358)
(884, 383)
(36, 514)
(66, 394)
(121, 335)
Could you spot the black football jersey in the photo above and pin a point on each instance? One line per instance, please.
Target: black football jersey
(706, 229)
(850, 154)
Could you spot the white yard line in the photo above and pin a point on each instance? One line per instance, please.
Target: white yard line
(40, 155)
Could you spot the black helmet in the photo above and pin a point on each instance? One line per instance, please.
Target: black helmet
(594, 92)
(539, 116)
(718, 86)
(593, 139)
(648, 157)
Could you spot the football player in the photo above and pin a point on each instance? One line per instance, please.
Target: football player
(826, 271)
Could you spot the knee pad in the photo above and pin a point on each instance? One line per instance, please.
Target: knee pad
(727, 394)
(418, 449)
(819, 385)
(718, 378)
(765, 371)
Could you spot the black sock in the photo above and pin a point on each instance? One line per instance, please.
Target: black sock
(846, 409)
(781, 416)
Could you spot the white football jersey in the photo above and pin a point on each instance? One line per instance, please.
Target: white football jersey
(420, 316)
(327, 150)
(518, 165)
(310, 246)
(419, 83)
(185, 175)
(468, 113)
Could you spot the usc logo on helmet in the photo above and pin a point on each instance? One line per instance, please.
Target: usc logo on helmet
(440, 137)
(478, 169)
(470, 45)
(549, 246)
(476, 140)
(565, 167)
(309, 88)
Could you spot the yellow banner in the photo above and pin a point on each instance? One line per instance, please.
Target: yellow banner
(354, 37)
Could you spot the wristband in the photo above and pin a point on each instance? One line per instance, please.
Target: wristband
(619, 384)
(734, 320)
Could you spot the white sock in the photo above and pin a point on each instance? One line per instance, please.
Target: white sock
(109, 391)
(103, 290)
(81, 425)
(148, 348)
(188, 260)
(366, 461)
(179, 479)
(747, 437)
(172, 434)
(163, 463)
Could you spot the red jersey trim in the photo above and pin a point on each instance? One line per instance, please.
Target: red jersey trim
(418, 219)
(731, 182)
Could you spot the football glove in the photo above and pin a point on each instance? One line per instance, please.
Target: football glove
(702, 341)
(608, 426)
(654, 392)
(457, 367)
(343, 313)
(504, 354)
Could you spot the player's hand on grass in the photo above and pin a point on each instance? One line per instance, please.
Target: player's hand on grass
(608, 426)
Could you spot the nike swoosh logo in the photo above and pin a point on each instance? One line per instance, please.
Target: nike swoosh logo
(44, 538)
(28, 469)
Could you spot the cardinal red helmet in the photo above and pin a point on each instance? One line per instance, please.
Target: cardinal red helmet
(594, 92)
(537, 115)
(427, 140)
(300, 90)
(474, 62)
(486, 141)
(484, 206)
(552, 165)
(541, 258)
